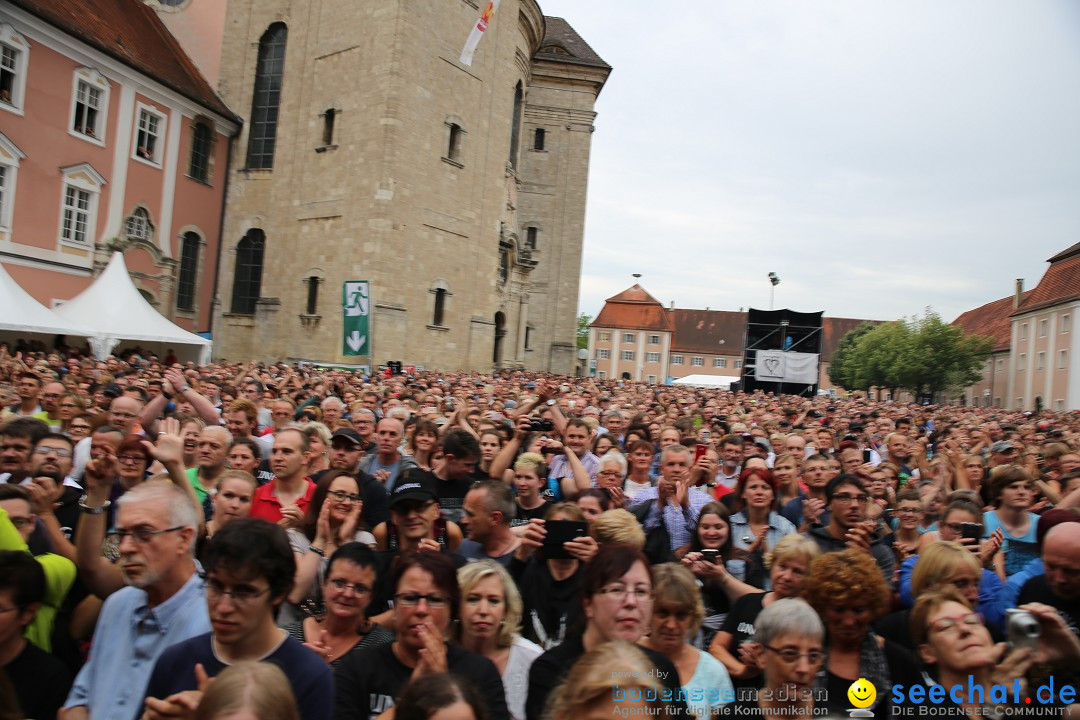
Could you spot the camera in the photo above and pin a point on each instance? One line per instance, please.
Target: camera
(541, 425)
(1023, 628)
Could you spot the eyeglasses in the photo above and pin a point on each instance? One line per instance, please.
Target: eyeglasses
(792, 656)
(618, 593)
(851, 499)
(141, 534)
(435, 602)
(341, 586)
(342, 496)
(68, 405)
(215, 590)
(60, 452)
(21, 522)
(947, 623)
(131, 459)
(907, 511)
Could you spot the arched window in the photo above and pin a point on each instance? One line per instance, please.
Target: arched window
(266, 100)
(138, 227)
(312, 282)
(189, 264)
(453, 149)
(519, 97)
(440, 307)
(247, 277)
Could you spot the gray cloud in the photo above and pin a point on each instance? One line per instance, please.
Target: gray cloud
(879, 156)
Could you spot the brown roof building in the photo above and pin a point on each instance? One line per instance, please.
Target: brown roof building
(1035, 350)
(635, 336)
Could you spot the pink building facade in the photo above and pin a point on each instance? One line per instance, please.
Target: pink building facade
(110, 139)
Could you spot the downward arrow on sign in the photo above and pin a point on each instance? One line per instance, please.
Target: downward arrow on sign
(355, 341)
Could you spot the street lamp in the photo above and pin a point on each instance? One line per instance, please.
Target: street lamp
(775, 280)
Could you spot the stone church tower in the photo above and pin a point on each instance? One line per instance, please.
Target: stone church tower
(370, 152)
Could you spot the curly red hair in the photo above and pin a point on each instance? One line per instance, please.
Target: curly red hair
(846, 579)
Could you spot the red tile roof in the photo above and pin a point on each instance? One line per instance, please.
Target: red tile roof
(633, 309)
(1060, 283)
(991, 320)
(132, 33)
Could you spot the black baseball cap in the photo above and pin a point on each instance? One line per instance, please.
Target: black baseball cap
(349, 434)
(411, 492)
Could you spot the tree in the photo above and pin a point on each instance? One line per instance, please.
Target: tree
(924, 355)
(942, 358)
(841, 367)
(583, 321)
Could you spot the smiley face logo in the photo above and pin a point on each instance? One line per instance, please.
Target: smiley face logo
(862, 693)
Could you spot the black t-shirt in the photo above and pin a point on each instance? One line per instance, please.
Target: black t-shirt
(523, 515)
(451, 493)
(263, 473)
(551, 668)
(41, 682)
(902, 670)
(551, 607)
(739, 623)
(370, 681)
(1037, 589)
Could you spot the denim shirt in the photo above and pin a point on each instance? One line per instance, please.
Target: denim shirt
(128, 639)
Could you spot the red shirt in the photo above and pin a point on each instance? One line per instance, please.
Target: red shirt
(266, 506)
(718, 490)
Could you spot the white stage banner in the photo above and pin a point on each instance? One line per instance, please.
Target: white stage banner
(786, 367)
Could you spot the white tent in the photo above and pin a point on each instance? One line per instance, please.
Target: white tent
(116, 312)
(712, 381)
(21, 313)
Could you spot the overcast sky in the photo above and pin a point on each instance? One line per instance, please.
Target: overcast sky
(878, 156)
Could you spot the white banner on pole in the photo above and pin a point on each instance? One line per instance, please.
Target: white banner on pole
(478, 31)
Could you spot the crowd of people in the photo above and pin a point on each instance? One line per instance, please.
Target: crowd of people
(283, 542)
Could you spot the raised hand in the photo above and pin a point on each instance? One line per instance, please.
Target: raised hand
(348, 527)
(44, 494)
(432, 655)
(320, 646)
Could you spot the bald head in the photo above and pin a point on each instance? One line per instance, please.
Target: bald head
(1061, 558)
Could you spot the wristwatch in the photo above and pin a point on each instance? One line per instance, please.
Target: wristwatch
(89, 510)
(550, 402)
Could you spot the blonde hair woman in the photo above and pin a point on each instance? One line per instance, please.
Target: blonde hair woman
(678, 612)
(491, 610)
(594, 683)
(261, 689)
(618, 526)
(788, 564)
